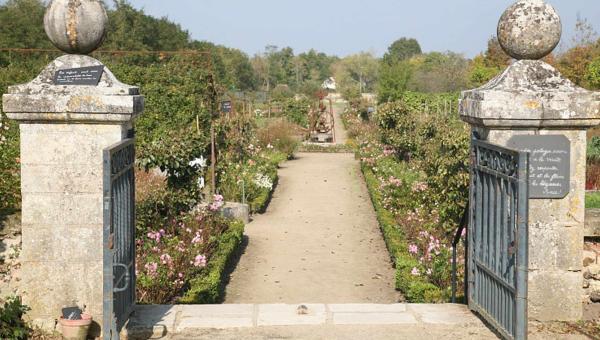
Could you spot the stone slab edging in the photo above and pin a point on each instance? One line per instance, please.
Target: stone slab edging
(157, 321)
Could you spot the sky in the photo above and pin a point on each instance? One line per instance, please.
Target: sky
(343, 27)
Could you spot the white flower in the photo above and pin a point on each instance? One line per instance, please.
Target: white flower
(263, 181)
(269, 146)
(201, 183)
(198, 162)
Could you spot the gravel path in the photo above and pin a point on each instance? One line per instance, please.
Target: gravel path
(318, 242)
(341, 136)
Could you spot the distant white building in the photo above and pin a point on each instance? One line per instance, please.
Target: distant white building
(329, 84)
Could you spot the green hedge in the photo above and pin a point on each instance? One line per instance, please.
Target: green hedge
(415, 289)
(209, 288)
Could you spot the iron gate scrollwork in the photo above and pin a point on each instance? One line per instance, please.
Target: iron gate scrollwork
(498, 237)
(119, 237)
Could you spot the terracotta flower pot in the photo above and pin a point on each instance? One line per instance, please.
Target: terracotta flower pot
(76, 329)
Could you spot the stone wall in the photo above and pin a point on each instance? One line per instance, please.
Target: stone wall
(63, 217)
(591, 280)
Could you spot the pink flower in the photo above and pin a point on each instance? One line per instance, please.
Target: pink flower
(151, 268)
(413, 249)
(415, 272)
(395, 181)
(419, 187)
(155, 236)
(166, 259)
(180, 275)
(217, 204)
(197, 239)
(200, 261)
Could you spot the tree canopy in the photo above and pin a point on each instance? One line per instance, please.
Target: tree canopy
(402, 49)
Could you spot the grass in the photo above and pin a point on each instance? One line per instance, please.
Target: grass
(592, 200)
(209, 287)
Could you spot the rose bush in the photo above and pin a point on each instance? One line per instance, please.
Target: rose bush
(171, 254)
(416, 168)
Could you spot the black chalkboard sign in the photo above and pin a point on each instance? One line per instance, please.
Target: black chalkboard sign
(549, 164)
(79, 76)
(226, 106)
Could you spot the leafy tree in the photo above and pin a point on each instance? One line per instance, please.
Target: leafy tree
(23, 24)
(261, 69)
(495, 56)
(315, 66)
(358, 72)
(239, 74)
(479, 73)
(393, 81)
(402, 49)
(593, 74)
(132, 29)
(575, 63)
(281, 65)
(486, 66)
(440, 72)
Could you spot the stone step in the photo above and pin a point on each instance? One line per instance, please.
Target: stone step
(159, 321)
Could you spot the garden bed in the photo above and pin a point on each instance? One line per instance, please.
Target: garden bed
(416, 169)
(209, 286)
(415, 289)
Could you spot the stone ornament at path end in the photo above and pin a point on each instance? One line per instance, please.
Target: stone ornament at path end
(529, 30)
(76, 26)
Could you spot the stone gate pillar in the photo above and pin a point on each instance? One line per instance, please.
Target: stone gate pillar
(532, 107)
(68, 115)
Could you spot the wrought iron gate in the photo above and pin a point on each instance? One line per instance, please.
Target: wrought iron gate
(498, 237)
(119, 237)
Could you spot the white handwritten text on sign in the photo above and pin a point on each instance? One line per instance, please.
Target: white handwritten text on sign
(549, 164)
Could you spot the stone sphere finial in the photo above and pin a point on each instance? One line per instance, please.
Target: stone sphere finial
(529, 29)
(76, 26)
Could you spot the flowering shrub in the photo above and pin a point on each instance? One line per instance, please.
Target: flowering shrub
(416, 168)
(279, 135)
(171, 254)
(295, 110)
(252, 181)
(263, 181)
(436, 145)
(180, 156)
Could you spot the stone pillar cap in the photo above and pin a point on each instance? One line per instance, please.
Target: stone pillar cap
(41, 100)
(530, 94)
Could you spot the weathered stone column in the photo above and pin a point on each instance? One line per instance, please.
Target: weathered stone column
(68, 115)
(531, 98)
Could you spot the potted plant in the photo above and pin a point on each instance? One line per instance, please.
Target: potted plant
(75, 328)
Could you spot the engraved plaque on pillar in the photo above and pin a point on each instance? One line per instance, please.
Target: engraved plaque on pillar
(549, 164)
